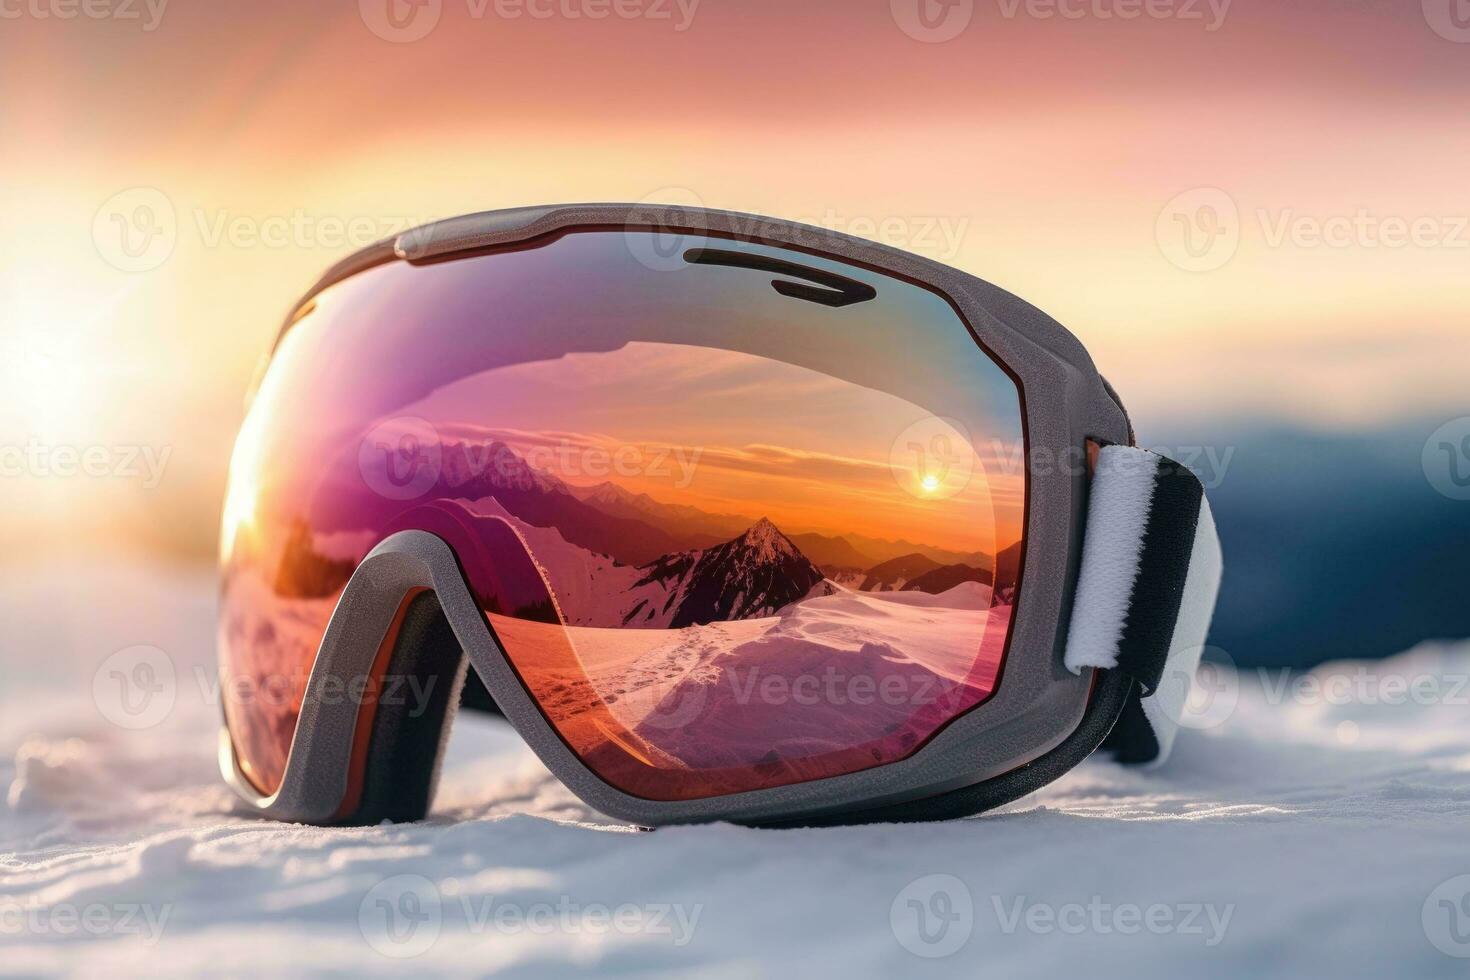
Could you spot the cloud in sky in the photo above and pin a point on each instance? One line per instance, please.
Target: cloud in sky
(1049, 146)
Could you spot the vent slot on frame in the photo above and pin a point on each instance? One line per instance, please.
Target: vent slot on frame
(831, 289)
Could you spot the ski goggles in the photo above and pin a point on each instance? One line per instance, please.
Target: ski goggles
(731, 518)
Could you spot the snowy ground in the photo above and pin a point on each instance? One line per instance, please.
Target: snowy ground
(1312, 830)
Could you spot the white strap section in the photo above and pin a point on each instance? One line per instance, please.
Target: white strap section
(1120, 512)
(1123, 485)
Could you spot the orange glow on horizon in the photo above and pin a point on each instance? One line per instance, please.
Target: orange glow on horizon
(1037, 153)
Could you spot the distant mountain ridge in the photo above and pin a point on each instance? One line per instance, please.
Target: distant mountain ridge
(893, 575)
(701, 528)
(829, 550)
(618, 557)
(946, 577)
(543, 500)
(755, 574)
(704, 529)
(518, 568)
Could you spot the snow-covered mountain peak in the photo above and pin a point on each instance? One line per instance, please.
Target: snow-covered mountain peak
(765, 542)
(604, 493)
(493, 465)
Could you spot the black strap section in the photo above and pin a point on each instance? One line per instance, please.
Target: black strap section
(1158, 595)
(477, 696)
(1163, 569)
(1132, 740)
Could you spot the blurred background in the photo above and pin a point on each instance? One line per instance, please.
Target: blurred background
(1255, 215)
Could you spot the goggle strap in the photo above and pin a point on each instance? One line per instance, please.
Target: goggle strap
(1151, 568)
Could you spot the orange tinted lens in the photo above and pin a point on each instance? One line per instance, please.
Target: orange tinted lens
(740, 516)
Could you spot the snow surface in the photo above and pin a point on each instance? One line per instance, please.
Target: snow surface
(1319, 835)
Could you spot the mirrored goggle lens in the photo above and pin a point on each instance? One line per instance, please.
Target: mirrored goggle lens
(774, 502)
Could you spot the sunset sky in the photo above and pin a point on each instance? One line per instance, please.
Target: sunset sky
(1051, 155)
(812, 453)
(699, 385)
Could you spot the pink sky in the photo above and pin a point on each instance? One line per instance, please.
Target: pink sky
(1036, 152)
(813, 453)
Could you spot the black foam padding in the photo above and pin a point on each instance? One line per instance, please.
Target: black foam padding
(1132, 740)
(477, 696)
(1163, 572)
(411, 724)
